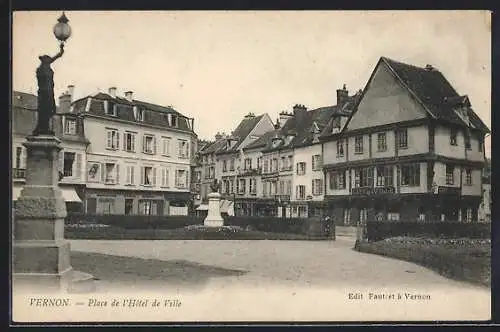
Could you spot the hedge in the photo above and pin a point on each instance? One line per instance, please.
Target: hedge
(309, 226)
(379, 230)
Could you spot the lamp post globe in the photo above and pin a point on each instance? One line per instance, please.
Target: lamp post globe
(62, 30)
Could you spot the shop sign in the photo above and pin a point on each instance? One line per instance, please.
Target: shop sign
(449, 190)
(369, 191)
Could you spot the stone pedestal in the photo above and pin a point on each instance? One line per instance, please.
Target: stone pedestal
(41, 256)
(214, 219)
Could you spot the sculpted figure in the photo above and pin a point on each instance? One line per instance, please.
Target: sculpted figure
(214, 186)
(46, 101)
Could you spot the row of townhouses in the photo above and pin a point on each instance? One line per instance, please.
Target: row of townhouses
(120, 155)
(406, 147)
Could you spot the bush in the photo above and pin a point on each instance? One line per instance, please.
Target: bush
(269, 224)
(379, 230)
(135, 221)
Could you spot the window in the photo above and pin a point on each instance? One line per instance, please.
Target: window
(290, 163)
(381, 142)
(166, 146)
(173, 120)
(453, 136)
(289, 187)
(129, 172)
(241, 186)
(252, 186)
(148, 175)
(468, 215)
(317, 187)
(129, 206)
(183, 149)
(231, 164)
(112, 139)
(20, 162)
(164, 177)
(467, 141)
(148, 144)
(224, 165)
(259, 162)
(402, 138)
(480, 144)
(111, 173)
(301, 168)
(410, 175)
(300, 192)
(110, 108)
(385, 176)
(248, 164)
(68, 160)
(316, 162)
(282, 187)
(266, 166)
(265, 189)
(337, 180)
(129, 142)
(468, 177)
(363, 177)
(140, 114)
(358, 145)
(107, 205)
(70, 126)
(347, 216)
(340, 148)
(181, 178)
(450, 169)
(283, 164)
(274, 187)
(275, 164)
(150, 207)
(302, 211)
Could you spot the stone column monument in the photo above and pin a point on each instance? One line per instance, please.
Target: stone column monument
(214, 218)
(41, 256)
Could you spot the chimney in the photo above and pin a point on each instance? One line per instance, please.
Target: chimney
(429, 67)
(129, 95)
(250, 116)
(112, 91)
(342, 96)
(64, 102)
(218, 136)
(283, 118)
(71, 91)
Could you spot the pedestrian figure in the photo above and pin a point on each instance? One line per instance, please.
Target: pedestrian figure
(327, 225)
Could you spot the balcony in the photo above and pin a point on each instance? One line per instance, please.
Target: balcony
(19, 173)
(251, 171)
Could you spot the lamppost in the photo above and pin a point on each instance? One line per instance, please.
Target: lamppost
(41, 256)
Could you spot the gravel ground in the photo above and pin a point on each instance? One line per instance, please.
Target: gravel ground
(249, 263)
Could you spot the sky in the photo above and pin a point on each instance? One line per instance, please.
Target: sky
(217, 66)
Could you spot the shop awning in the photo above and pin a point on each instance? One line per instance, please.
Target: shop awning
(202, 207)
(70, 195)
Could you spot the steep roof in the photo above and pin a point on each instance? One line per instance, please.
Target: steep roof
(263, 141)
(214, 147)
(434, 92)
(155, 114)
(25, 116)
(241, 132)
(24, 100)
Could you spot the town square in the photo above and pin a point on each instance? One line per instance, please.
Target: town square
(235, 155)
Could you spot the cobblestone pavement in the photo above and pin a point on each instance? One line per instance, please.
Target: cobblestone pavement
(279, 263)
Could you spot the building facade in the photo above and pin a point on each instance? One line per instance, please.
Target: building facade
(412, 150)
(72, 158)
(140, 156)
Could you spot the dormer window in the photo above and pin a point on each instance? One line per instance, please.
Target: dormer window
(453, 136)
(173, 121)
(140, 114)
(467, 141)
(110, 108)
(70, 127)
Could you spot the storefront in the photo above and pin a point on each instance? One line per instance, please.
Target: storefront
(103, 201)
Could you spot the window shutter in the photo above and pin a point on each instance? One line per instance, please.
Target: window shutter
(117, 173)
(297, 168)
(142, 174)
(124, 141)
(117, 140)
(103, 172)
(313, 191)
(132, 171)
(297, 192)
(187, 179)
(154, 176)
(61, 161)
(23, 158)
(154, 145)
(78, 171)
(143, 143)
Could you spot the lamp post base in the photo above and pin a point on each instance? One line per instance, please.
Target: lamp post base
(214, 219)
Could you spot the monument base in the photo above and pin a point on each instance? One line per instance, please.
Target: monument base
(41, 255)
(213, 219)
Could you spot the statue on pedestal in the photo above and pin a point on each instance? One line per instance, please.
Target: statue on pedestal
(215, 186)
(46, 101)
